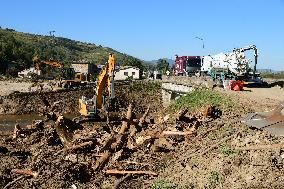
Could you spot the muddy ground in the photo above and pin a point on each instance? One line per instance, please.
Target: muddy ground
(207, 157)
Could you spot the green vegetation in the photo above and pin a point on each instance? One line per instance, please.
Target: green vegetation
(148, 87)
(163, 66)
(225, 150)
(201, 97)
(279, 75)
(17, 49)
(215, 179)
(162, 184)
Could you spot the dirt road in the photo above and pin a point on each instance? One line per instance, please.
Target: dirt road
(260, 99)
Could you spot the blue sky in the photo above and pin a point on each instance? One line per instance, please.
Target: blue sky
(152, 29)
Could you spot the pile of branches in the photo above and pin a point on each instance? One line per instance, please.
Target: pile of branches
(79, 154)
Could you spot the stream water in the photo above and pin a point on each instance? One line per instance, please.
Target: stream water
(7, 122)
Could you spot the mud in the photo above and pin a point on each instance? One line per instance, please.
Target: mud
(191, 161)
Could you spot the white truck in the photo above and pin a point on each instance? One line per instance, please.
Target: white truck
(233, 64)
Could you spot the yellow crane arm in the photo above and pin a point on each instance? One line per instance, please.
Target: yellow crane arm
(105, 76)
(52, 63)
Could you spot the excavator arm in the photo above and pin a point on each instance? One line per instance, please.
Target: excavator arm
(52, 63)
(88, 107)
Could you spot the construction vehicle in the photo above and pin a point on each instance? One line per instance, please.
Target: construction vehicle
(187, 65)
(68, 78)
(232, 65)
(89, 108)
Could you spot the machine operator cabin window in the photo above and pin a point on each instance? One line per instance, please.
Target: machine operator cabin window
(126, 73)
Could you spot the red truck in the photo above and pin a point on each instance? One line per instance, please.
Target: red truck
(187, 65)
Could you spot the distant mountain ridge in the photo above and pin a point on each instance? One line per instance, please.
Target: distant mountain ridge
(19, 48)
(170, 61)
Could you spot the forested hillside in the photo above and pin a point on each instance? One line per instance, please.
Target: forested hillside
(17, 49)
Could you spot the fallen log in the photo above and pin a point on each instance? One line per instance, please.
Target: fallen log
(103, 159)
(260, 147)
(180, 133)
(142, 119)
(123, 172)
(25, 172)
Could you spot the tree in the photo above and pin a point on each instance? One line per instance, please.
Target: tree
(162, 66)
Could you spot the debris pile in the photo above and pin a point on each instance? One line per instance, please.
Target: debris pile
(58, 153)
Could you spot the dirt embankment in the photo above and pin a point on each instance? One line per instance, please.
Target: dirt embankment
(214, 153)
(32, 102)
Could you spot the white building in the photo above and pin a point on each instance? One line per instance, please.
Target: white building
(125, 72)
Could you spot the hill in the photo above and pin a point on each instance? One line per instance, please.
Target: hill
(170, 61)
(18, 49)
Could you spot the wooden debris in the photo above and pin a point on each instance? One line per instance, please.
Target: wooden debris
(123, 172)
(260, 147)
(25, 172)
(17, 131)
(181, 113)
(14, 181)
(62, 132)
(142, 119)
(101, 161)
(180, 133)
(114, 146)
(80, 146)
(119, 181)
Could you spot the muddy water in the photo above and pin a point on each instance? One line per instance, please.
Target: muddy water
(7, 122)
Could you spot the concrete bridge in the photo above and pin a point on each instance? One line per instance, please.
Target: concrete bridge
(175, 86)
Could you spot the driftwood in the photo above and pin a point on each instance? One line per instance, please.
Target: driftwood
(17, 131)
(180, 114)
(119, 181)
(123, 172)
(103, 159)
(142, 119)
(80, 146)
(75, 147)
(260, 147)
(12, 182)
(62, 132)
(179, 133)
(25, 172)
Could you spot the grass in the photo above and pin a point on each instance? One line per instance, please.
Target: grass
(215, 179)
(162, 184)
(279, 75)
(201, 97)
(225, 150)
(149, 87)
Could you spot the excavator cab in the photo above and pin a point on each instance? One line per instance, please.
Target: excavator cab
(104, 91)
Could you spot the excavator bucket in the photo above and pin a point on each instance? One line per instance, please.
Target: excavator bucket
(272, 121)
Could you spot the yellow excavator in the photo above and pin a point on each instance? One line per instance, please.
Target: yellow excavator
(89, 108)
(68, 77)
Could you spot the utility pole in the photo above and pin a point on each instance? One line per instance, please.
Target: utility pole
(201, 40)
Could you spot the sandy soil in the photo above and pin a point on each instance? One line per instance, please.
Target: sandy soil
(261, 99)
(8, 87)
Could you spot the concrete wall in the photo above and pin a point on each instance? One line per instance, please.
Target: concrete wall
(123, 74)
(85, 68)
